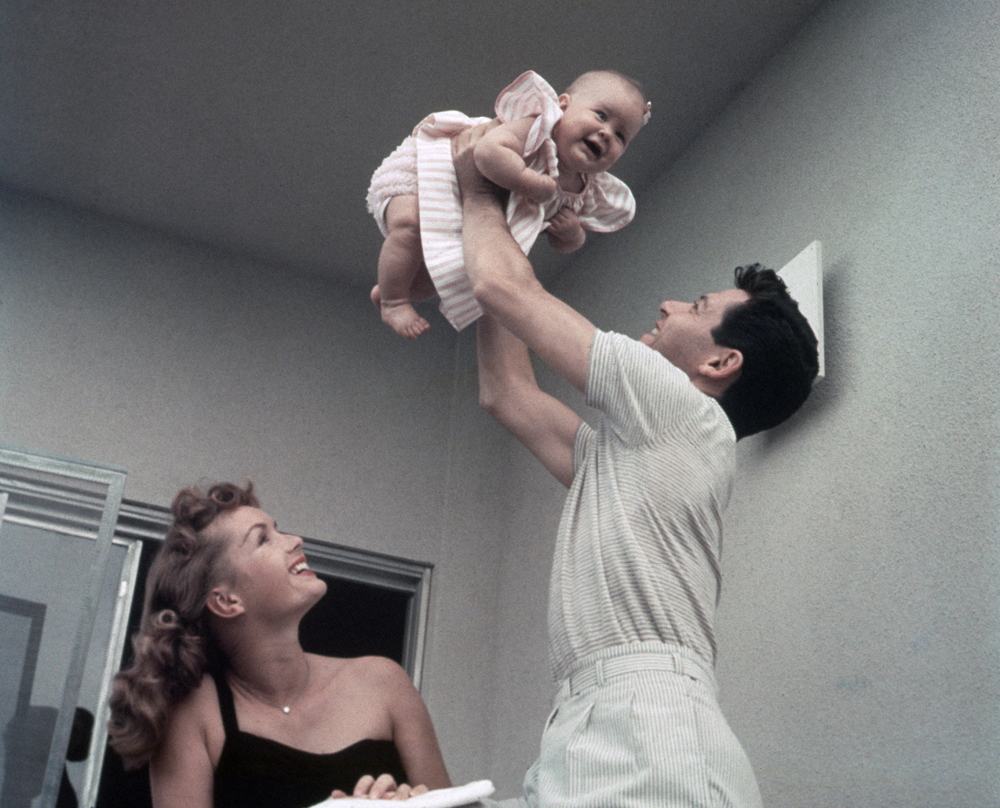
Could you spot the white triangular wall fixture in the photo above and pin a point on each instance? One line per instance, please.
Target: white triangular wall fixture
(804, 277)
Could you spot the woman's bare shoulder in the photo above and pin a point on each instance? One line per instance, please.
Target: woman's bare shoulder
(367, 670)
(378, 665)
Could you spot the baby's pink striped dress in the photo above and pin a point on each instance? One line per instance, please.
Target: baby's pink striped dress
(422, 165)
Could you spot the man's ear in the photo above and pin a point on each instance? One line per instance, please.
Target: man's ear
(563, 101)
(223, 602)
(724, 365)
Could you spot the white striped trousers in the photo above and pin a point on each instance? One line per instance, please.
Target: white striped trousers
(638, 726)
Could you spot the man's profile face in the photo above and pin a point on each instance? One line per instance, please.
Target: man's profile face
(683, 332)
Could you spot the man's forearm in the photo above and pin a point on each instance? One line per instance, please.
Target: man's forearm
(499, 272)
(504, 366)
(509, 392)
(504, 282)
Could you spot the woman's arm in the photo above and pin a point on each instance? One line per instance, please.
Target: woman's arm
(412, 729)
(413, 732)
(181, 773)
(498, 158)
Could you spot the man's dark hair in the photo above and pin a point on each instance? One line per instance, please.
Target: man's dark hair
(780, 359)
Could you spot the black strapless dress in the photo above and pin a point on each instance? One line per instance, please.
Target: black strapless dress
(257, 772)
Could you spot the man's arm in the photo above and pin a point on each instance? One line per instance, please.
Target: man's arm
(508, 391)
(504, 282)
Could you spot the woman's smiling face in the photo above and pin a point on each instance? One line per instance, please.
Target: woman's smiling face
(268, 566)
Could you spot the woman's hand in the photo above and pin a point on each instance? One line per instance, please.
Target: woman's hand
(383, 788)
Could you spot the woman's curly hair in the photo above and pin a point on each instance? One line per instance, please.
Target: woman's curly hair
(174, 647)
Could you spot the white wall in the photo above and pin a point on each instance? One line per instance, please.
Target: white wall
(181, 364)
(859, 617)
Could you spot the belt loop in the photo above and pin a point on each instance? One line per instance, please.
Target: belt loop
(599, 671)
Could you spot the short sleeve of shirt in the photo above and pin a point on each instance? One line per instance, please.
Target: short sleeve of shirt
(584, 438)
(643, 396)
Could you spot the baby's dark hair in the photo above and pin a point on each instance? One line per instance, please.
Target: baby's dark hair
(174, 646)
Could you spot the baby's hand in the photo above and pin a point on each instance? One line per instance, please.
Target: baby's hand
(537, 187)
(565, 233)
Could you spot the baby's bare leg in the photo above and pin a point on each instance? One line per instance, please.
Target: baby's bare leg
(399, 264)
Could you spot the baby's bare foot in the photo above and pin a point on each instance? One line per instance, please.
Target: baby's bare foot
(402, 318)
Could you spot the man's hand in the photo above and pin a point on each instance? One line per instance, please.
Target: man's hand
(470, 179)
(382, 788)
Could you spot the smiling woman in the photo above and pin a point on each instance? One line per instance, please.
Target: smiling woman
(222, 700)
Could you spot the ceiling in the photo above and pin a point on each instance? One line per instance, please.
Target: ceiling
(255, 126)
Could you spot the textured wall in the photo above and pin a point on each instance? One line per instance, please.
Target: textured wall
(178, 364)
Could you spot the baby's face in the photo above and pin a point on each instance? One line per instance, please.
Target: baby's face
(598, 123)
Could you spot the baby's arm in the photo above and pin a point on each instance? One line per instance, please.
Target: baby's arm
(498, 158)
(564, 232)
